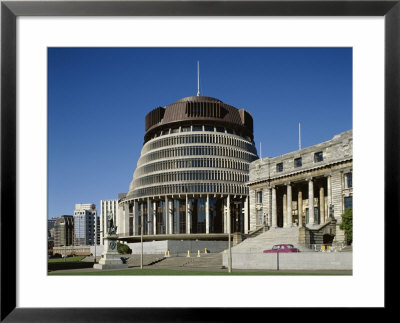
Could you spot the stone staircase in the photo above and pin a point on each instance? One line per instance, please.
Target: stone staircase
(148, 260)
(315, 235)
(257, 231)
(269, 238)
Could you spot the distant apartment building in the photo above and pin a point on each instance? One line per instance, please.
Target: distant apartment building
(50, 229)
(85, 225)
(51, 222)
(107, 206)
(64, 231)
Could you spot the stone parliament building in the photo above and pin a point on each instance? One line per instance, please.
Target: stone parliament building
(199, 164)
(309, 188)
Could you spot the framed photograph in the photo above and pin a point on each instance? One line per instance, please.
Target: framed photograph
(35, 35)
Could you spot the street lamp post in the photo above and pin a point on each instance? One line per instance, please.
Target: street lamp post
(229, 235)
(95, 243)
(141, 241)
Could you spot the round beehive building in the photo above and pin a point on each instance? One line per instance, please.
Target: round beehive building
(192, 172)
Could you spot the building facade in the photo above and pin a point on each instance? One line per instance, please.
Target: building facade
(303, 188)
(105, 207)
(64, 231)
(191, 174)
(85, 225)
(50, 230)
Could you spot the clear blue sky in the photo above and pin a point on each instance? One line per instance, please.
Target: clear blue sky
(98, 99)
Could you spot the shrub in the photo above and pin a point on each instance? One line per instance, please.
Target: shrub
(123, 249)
(347, 224)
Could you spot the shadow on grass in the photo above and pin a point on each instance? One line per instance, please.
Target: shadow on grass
(51, 266)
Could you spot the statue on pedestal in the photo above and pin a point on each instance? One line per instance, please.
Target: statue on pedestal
(110, 223)
(110, 258)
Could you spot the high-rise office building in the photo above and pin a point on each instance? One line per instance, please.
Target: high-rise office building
(50, 229)
(64, 231)
(85, 224)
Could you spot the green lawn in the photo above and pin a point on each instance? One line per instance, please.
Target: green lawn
(69, 259)
(170, 272)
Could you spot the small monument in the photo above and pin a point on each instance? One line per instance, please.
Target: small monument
(110, 259)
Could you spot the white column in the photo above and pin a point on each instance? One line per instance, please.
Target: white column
(141, 219)
(125, 219)
(326, 210)
(136, 218)
(329, 186)
(117, 215)
(178, 218)
(208, 214)
(284, 200)
(273, 208)
(289, 221)
(225, 215)
(188, 215)
(322, 205)
(166, 223)
(246, 215)
(311, 219)
(300, 207)
(171, 215)
(269, 207)
(229, 233)
(116, 218)
(154, 217)
(149, 217)
(228, 214)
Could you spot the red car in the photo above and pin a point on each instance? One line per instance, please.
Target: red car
(282, 248)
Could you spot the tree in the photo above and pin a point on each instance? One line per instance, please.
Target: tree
(123, 249)
(347, 224)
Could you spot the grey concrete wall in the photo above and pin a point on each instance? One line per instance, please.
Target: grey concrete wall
(175, 246)
(292, 261)
(149, 247)
(183, 246)
(99, 250)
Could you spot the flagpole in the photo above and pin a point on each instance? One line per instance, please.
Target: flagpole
(299, 135)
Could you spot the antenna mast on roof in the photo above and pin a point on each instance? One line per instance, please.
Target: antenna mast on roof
(198, 78)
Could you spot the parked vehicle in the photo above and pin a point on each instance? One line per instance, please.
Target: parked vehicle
(282, 248)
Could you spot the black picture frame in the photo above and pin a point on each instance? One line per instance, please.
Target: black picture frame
(10, 10)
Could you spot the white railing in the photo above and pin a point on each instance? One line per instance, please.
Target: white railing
(326, 247)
